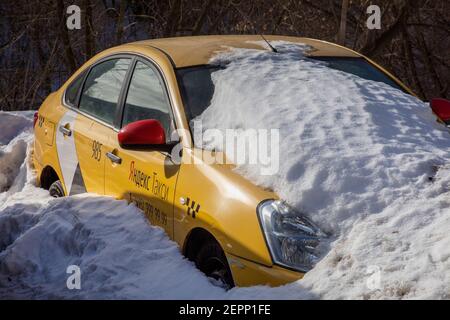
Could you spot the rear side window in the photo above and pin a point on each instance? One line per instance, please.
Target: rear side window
(147, 98)
(73, 89)
(101, 90)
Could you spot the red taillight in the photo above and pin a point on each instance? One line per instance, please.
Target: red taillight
(441, 108)
(35, 119)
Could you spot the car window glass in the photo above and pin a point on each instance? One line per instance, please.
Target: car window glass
(146, 98)
(359, 67)
(102, 89)
(72, 91)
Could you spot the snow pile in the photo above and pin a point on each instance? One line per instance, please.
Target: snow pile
(367, 162)
(119, 254)
(10, 161)
(15, 135)
(13, 123)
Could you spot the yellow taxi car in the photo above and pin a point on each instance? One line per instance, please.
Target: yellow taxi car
(108, 130)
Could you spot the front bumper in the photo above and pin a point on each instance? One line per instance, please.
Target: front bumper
(247, 273)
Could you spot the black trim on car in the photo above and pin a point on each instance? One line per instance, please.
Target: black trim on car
(123, 94)
(77, 99)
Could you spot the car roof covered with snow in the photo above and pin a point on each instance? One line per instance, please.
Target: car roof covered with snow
(198, 50)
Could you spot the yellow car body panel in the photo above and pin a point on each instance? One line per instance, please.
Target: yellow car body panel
(225, 202)
(191, 51)
(92, 165)
(248, 273)
(222, 214)
(145, 177)
(44, 153)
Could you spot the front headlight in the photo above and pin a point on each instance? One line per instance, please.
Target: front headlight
(291, 237)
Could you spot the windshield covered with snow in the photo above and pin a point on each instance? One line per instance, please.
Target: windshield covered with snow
(198, 88)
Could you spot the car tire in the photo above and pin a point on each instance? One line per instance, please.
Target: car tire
(56, 189)
(212, 262)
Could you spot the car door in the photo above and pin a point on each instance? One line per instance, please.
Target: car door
(146, 177)
(64, 118)
(98, 109)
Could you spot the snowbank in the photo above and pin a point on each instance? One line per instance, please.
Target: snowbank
(15, 135)
(13, 123)
(119, 254)
(367, 162)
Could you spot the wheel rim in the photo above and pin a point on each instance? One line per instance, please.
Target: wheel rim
(214, 267)
(56, 192)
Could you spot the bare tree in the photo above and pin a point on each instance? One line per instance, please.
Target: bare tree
(64, 35)
(120, 21)
(343, 23)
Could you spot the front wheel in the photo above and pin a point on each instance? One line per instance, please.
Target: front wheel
(211, 261)
(56, 189)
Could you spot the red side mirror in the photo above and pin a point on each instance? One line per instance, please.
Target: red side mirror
(142, 133)
(441, 108)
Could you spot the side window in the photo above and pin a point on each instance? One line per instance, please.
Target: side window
(102, 89)
(147, 98)
(72, 90)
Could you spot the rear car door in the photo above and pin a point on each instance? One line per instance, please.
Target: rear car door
(146, 177)
(98, 108)
(65, 137)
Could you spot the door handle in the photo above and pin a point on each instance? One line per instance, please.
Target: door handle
(114, 158)
(65, 131)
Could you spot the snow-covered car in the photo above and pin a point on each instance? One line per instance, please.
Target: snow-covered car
(109, 130)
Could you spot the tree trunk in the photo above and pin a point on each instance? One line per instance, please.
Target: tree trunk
(88, 30)
(173, 19)
(343, 25)
(64, 35)
(201, 19)
(429, 67)
(410, 61)
(120, 20)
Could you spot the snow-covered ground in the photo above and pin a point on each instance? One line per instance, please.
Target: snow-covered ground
(368, 163)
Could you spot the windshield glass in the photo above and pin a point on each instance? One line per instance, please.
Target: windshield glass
(197, 86)
(359, 67)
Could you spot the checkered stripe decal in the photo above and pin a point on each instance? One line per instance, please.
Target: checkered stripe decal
(192, 207)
